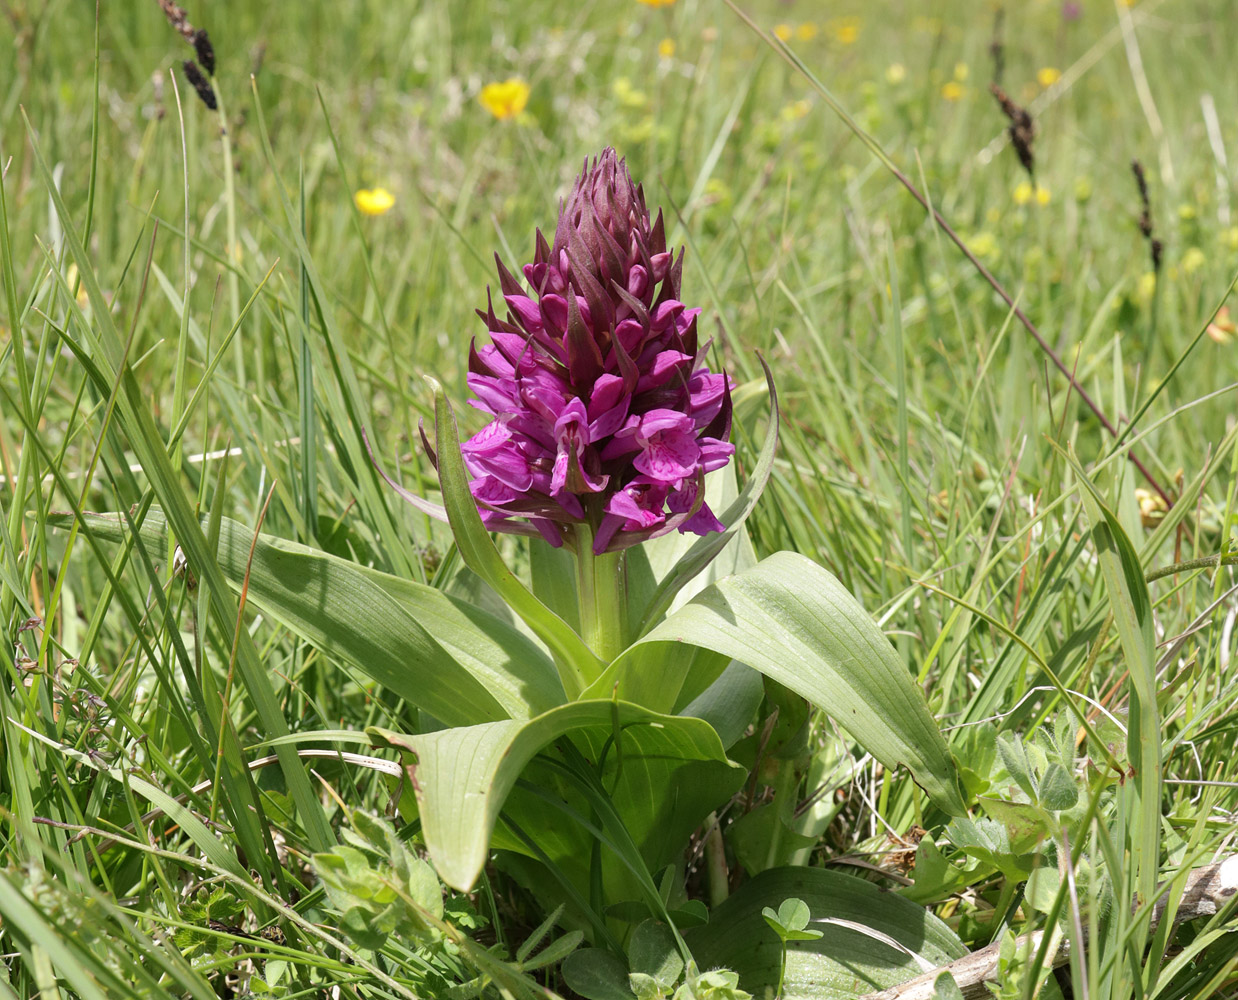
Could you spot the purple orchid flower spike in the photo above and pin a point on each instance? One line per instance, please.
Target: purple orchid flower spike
(605, 412)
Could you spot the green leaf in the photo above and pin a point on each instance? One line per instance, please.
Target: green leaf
(653, 951)
(464, 776)
(577, 664)
(597, 975)
(554, 952)
(844, 962)
(1014, 755)
(1131, 605)
(1058, 789)
(935, 878)
(461, 664)
(945, 988)
(793, 621)
(793, 914)
(729, 703)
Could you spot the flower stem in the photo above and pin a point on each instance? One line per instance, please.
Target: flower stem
(601, 590)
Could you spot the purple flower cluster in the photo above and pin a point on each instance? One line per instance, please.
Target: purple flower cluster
(604, 410)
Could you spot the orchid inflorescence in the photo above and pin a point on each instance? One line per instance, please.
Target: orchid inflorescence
(605, 412)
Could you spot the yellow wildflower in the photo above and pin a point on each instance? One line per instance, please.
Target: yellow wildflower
(846, 30)
(783, 32)
(1193, 260)
(1186, 212)
(656, 3)
(952, 90)
(1230, 237)
(1222, 329)
(666, 48)
(374, 201)
(506, 99)
(1083, 189)
(1047, 76)
(960, 71)
(896, 73)
(1024, 193)
(806, 32)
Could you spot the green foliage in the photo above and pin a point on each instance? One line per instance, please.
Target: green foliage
(378, 886)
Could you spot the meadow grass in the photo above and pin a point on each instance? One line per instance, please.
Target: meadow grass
(928, 444)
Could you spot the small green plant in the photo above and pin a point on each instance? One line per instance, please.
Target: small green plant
(790, 923)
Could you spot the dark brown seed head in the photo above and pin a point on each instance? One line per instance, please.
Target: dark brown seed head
(199, 83)
(206, 53)
(177, 18)
(1022, 128)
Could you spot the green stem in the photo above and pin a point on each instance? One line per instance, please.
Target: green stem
(601, 591)
(1204, 562)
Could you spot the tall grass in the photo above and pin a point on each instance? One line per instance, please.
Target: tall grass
(197, 317)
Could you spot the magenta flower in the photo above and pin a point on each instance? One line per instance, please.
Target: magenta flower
(605, 412)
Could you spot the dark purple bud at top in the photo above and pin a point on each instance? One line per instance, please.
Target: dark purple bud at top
(604, 409)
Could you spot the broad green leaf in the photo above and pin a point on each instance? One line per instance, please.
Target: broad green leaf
(459, 663)
(729, 703)
(464, 777)
(845, 962)
(597, 974)
(578, 666)
(653, 951)
(794, 622)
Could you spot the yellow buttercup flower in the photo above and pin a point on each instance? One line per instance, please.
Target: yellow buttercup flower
(896, 73)
(666, 48)
(374, 201)
(953, 90)
(845, 30)
(506, 99)
(1024, 193)
(783, 32)
(961, 71)
(656, 3)
(1047, 76)
(806, 32)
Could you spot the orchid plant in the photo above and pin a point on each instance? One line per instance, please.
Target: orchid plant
(575, 719)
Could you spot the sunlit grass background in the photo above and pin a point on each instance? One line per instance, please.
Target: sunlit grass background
(924, 431)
